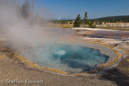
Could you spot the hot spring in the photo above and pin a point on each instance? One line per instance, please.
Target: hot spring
(68, 58)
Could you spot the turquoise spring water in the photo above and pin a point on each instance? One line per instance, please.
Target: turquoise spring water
(68, 58)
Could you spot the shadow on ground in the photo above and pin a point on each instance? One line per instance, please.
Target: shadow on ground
(116, 76)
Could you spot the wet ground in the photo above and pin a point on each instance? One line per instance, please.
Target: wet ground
(110, 34)
(103, 34)
(118, 35)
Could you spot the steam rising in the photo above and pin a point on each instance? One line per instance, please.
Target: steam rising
(22, 24)
(25, 28)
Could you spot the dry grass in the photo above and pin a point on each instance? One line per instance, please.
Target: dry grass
(61, 25)
(115, 28)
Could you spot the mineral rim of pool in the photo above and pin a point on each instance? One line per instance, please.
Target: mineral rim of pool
(68, 58)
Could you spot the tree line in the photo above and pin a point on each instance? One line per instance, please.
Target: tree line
(85, 21)
(113, 19)
(77, 22)
(92, 22)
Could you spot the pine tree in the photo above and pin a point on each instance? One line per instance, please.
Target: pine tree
(85, 18)
(26, 10)
(77, 22)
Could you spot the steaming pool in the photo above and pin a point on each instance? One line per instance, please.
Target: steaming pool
(68, 58)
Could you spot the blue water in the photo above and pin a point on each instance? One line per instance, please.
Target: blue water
(67, 58)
